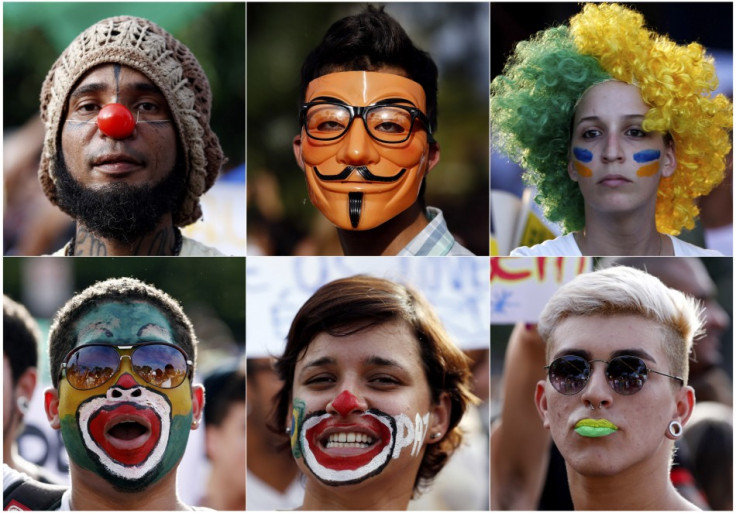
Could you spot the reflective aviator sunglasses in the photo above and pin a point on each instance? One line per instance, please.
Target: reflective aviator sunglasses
(159, 364)
(626, 374)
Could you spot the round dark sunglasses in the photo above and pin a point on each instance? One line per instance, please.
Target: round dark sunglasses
(626, 374)
(158, 364)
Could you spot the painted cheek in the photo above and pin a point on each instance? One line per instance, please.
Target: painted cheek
(582, 156)
(297, 416)
(180, 397)
(650, 159)
(70, 398)
(410, 434)
(582, 170)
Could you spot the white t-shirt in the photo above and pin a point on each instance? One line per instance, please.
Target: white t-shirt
(262, 497)
(565, 245)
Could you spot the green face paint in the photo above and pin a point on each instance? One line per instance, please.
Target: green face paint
(129, 432)
(297, 415)
(122, 323)
(595, 428)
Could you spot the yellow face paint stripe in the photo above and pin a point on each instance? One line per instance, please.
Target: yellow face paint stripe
(648, 170)
(583, 170)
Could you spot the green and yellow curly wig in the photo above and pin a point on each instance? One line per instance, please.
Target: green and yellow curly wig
(533, 103)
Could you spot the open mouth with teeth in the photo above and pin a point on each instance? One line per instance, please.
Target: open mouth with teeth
(339, 453)
(349, 440)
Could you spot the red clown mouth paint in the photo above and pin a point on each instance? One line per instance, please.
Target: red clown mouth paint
(337, 463)
(127, 433)
(115, 120)
(348, 458)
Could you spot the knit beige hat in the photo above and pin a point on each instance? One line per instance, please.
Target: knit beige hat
(171, 66)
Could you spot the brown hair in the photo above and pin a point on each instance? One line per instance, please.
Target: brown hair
(350, 305)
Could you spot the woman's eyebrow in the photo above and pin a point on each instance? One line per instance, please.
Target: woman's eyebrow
(319, 362)
(382, 362)
(598, 118)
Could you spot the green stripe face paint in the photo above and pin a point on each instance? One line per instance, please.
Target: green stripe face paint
(125, 430)
(595, 428)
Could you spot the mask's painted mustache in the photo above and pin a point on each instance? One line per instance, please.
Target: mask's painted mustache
(363, 171)
(595, 428)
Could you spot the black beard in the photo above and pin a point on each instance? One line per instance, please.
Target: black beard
(119, 211)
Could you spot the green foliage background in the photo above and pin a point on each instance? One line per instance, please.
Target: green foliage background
(215, 284)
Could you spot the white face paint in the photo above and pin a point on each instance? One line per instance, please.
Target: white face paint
(406, 433)
(361, 407)
(370, 443)
(133, 458)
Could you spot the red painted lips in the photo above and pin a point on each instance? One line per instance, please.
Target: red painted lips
(349, 459)
(127, 433)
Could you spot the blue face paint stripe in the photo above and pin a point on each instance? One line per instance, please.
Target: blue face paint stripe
(582, 154)
(644, 156)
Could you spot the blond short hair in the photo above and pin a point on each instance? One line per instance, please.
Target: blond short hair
(622, 290)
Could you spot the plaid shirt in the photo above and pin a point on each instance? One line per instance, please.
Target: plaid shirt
(435, 239)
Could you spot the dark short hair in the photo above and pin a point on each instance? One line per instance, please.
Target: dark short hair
(61, 334)
(21, 337)
(350, 305)
(369, 41)
(223, 387)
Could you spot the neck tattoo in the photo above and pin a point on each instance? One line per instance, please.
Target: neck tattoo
(178, 241)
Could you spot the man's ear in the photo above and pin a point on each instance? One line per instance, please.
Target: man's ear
(296, 145)
(540, 399)
(197, 405)
(685, 403)
(26, 384)
(433, 156)
(51, 405)
(439, 419)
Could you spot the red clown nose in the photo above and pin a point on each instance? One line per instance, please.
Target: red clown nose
(126, 381)
(116, 121)
(345, 403)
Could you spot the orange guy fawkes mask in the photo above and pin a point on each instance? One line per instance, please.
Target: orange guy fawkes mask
(362, 172)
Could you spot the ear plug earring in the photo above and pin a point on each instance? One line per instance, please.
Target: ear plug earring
(23, 404)
(675, 429)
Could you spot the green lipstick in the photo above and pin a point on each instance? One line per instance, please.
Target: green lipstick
(595, 428)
